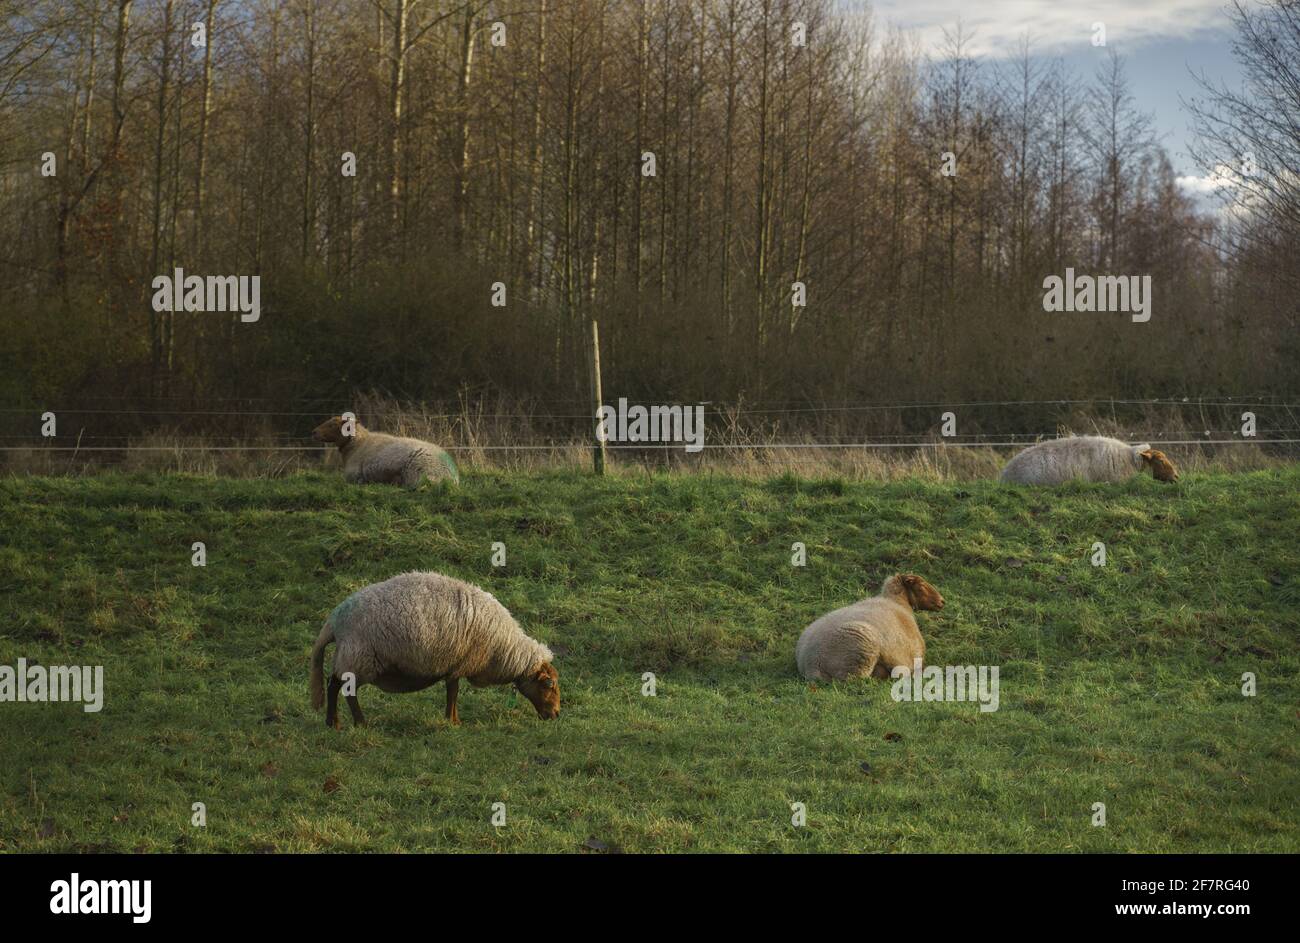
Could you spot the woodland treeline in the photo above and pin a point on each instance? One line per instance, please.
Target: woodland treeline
(509, 141)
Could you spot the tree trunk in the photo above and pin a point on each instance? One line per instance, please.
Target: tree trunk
(156, 318)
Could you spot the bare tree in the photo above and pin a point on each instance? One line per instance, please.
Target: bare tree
(1249, 138)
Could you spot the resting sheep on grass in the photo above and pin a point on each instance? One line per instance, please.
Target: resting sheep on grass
(417, 629)
(870, 637)
(376, 456)
(1089, 457)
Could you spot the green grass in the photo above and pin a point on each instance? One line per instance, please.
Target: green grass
(1119, 684)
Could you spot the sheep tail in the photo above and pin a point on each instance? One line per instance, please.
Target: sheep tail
(318, 666)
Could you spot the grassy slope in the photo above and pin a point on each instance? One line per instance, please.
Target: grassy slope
(1119, 684)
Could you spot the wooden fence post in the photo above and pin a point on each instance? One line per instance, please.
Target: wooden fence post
(598, 451)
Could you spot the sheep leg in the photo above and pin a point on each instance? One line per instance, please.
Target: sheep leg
(358, 719)
(453, 686)
(332, 705)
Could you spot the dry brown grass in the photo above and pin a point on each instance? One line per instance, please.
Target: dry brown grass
(504, 435)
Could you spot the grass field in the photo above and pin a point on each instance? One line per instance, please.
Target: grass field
(1119, 684)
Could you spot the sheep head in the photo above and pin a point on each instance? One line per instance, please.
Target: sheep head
(920, 595)
(542, 687)
(1161, 468)
(331, 431)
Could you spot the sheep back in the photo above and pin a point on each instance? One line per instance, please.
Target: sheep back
(431, 626)
(378, 457)
(1090, 458)
(871, 636)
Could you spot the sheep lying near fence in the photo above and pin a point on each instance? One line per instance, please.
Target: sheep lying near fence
(870, 637)
(378, 457)
(1089, 457)
(417, 629)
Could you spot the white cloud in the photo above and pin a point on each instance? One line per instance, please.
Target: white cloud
(1226, 193)
(1223, 178)
(1054, 26)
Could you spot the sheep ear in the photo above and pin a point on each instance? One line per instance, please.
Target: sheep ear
(1147, 455)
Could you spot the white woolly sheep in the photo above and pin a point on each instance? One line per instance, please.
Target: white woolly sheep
(1089, 457)
(417, 629)
(379, 457)
(870, 637)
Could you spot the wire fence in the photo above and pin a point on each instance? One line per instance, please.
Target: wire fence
(108, 431)
(543, 411)
(974, 438)
(650, 446)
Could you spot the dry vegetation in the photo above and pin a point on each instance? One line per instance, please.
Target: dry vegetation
(514, 436)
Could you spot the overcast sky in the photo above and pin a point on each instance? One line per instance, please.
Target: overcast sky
(1159, 40)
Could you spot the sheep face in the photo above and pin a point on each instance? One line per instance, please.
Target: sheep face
(330, 431)
(920, 594)
(1161, 468)
(542, 687)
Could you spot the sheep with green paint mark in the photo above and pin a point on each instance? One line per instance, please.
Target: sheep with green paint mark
(379, 457)
(1088, 458)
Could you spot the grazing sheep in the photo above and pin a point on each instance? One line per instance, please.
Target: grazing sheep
(417, 629)
(870, 637)
(1090, 457)
(376, 456)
